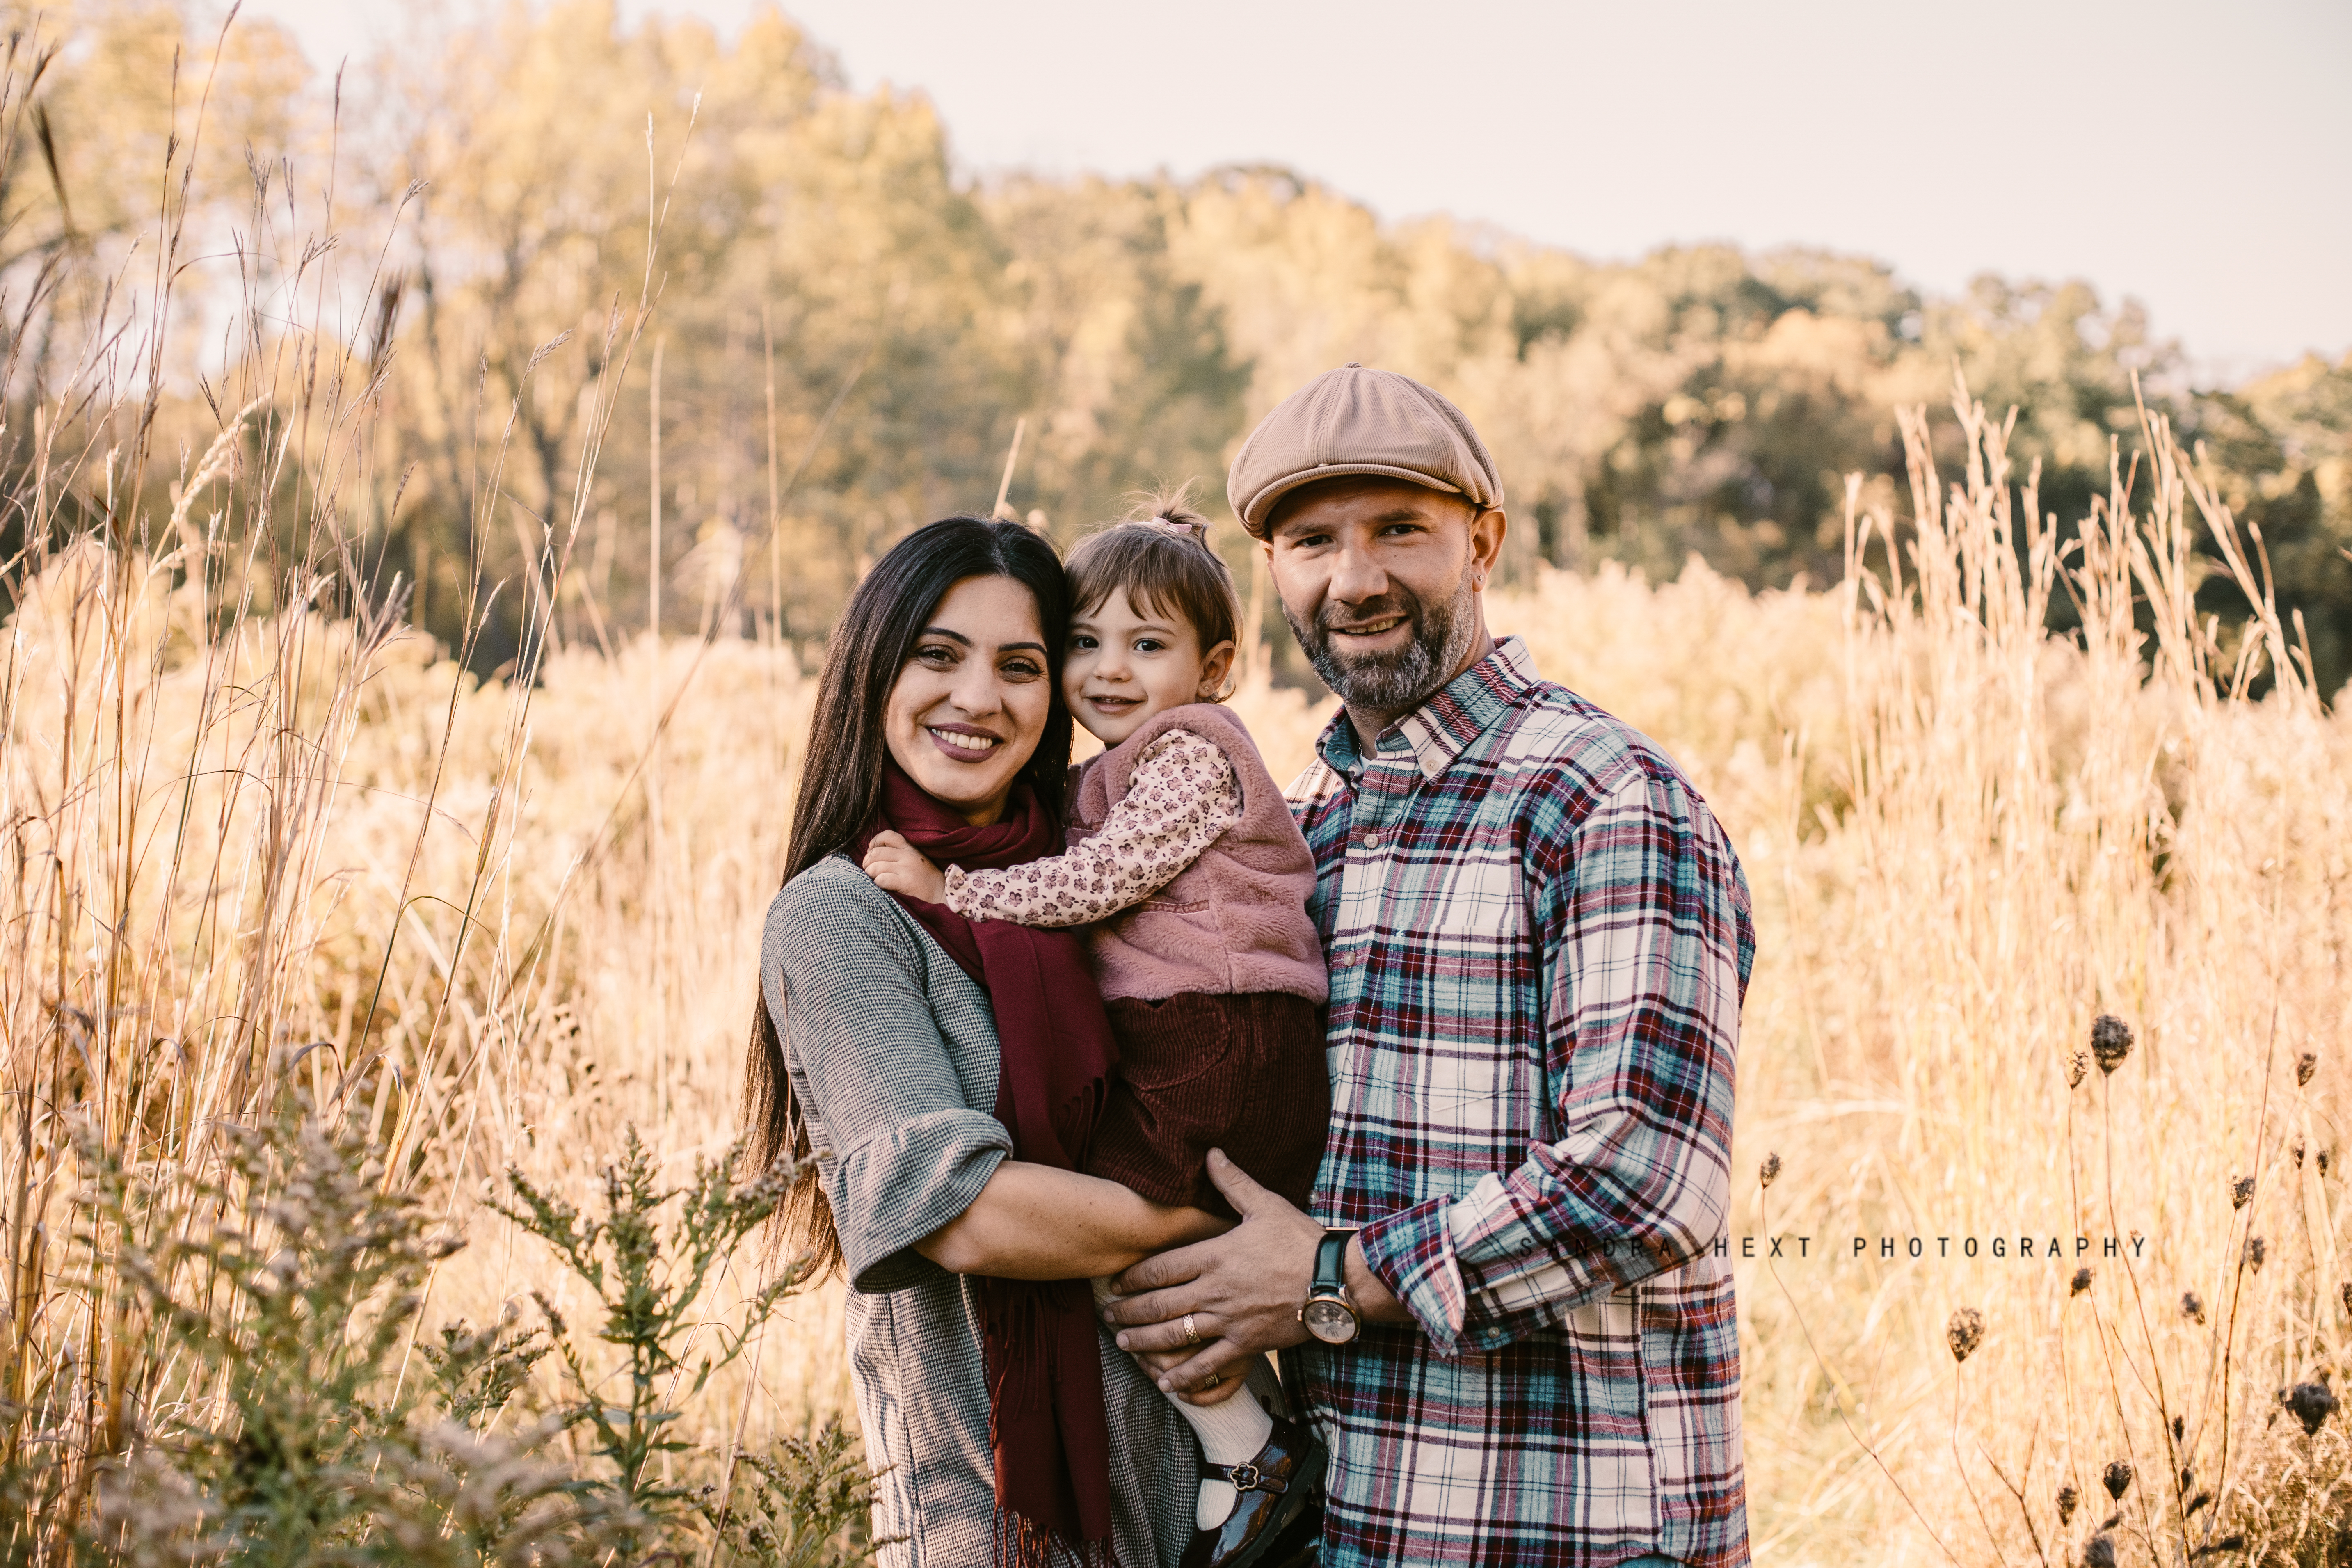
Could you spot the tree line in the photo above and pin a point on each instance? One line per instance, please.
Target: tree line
(850, 330)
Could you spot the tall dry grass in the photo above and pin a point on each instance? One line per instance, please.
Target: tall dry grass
(259, 836)
(1969, 838)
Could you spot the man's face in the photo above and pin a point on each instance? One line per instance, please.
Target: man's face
(1379, 579)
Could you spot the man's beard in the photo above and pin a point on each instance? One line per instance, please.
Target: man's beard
(1392, 683)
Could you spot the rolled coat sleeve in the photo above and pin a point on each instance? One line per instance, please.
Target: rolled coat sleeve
(902, 1151)
(1645, 941)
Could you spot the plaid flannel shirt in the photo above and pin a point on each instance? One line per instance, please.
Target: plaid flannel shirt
(1538, 941)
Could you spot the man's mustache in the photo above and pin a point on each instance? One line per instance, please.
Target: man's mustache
(1364, 614)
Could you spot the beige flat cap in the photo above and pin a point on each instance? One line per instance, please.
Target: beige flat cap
(1357, 421)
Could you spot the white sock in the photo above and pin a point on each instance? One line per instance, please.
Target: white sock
(1230, 1434)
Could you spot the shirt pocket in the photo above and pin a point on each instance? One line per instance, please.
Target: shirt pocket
(1477, 898)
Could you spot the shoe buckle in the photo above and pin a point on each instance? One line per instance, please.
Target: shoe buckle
(1247, 1477)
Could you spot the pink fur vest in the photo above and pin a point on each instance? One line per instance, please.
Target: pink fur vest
(1233, 921)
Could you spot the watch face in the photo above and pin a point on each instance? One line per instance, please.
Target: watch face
(1330, 1320)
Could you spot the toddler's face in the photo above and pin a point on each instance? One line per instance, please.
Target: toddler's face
(1125, 664)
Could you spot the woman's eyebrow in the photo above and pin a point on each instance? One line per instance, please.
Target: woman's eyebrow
(943, 632)
(1011, 647)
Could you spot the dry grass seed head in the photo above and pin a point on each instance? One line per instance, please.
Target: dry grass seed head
(2241, 1192)
(2256, 1251)
(2069, 1499)
(2304, 1066)
(2192, 1306)
(1965, 1333)
(1768, 1170)
(2309, 1403)
(2082, 1277)
(2111, 1041)
(2117, 1478)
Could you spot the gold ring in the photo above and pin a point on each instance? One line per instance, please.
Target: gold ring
(1213, 1379)
(1192, 1333)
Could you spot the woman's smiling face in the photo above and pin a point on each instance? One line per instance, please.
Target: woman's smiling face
(971, 701)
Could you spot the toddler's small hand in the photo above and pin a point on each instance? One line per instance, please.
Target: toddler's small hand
(897, 867)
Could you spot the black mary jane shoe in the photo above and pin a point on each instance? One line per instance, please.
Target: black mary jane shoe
(1274, 1488)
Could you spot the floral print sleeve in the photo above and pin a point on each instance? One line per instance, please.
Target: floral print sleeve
(1183, 795)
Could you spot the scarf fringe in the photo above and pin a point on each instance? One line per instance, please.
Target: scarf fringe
(1020, 1543)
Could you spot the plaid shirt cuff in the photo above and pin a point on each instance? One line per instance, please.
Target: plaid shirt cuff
(1476, 1274)
(1411, 1253)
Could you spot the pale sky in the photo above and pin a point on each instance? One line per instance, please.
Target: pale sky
(2197, 158)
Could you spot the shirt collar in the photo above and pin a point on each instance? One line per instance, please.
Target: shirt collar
(1442, 729)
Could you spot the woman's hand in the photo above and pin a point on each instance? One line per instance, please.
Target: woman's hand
(897, 867)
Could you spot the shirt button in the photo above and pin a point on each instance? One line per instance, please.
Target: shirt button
(1370, 840)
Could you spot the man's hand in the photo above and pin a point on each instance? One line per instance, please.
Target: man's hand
(1243, 1288)
(897, 867)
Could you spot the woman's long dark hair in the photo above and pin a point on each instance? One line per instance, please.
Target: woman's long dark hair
(841, 779)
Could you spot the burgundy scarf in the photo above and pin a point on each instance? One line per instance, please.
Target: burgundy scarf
(1055, 1057)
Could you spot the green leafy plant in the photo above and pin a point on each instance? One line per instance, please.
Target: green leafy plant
(280, 1290)
(276, 1293)
(647, 1295)
(798, 1507)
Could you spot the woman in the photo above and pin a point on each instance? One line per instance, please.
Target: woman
(946, 1074)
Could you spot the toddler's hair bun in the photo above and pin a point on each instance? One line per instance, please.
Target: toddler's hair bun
(1170, 510)
(1185, 526)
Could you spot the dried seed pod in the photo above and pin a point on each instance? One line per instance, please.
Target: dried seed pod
(2099, 1552)
(2111, 1041)
(1769, 1169)
(2345, 1291)
(2179, 1427)
(2117, 1478)
(2304, 1066)
(2082, 1280)
(2188, 1477)
(2241, 1192)
(2200, 1500)
(1965, 1333)
(2256, 1251)
(2069, 1499)
(2077, 1064)
(2296, 1149)
(2311, 1404)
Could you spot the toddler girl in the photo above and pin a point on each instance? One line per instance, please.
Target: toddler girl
(1184, 859)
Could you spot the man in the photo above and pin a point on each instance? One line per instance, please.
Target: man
(1523, 1346)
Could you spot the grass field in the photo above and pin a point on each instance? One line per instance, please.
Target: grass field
(258, 836)
(520, 923)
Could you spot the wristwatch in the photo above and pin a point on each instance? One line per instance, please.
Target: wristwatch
(1329, 1315)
